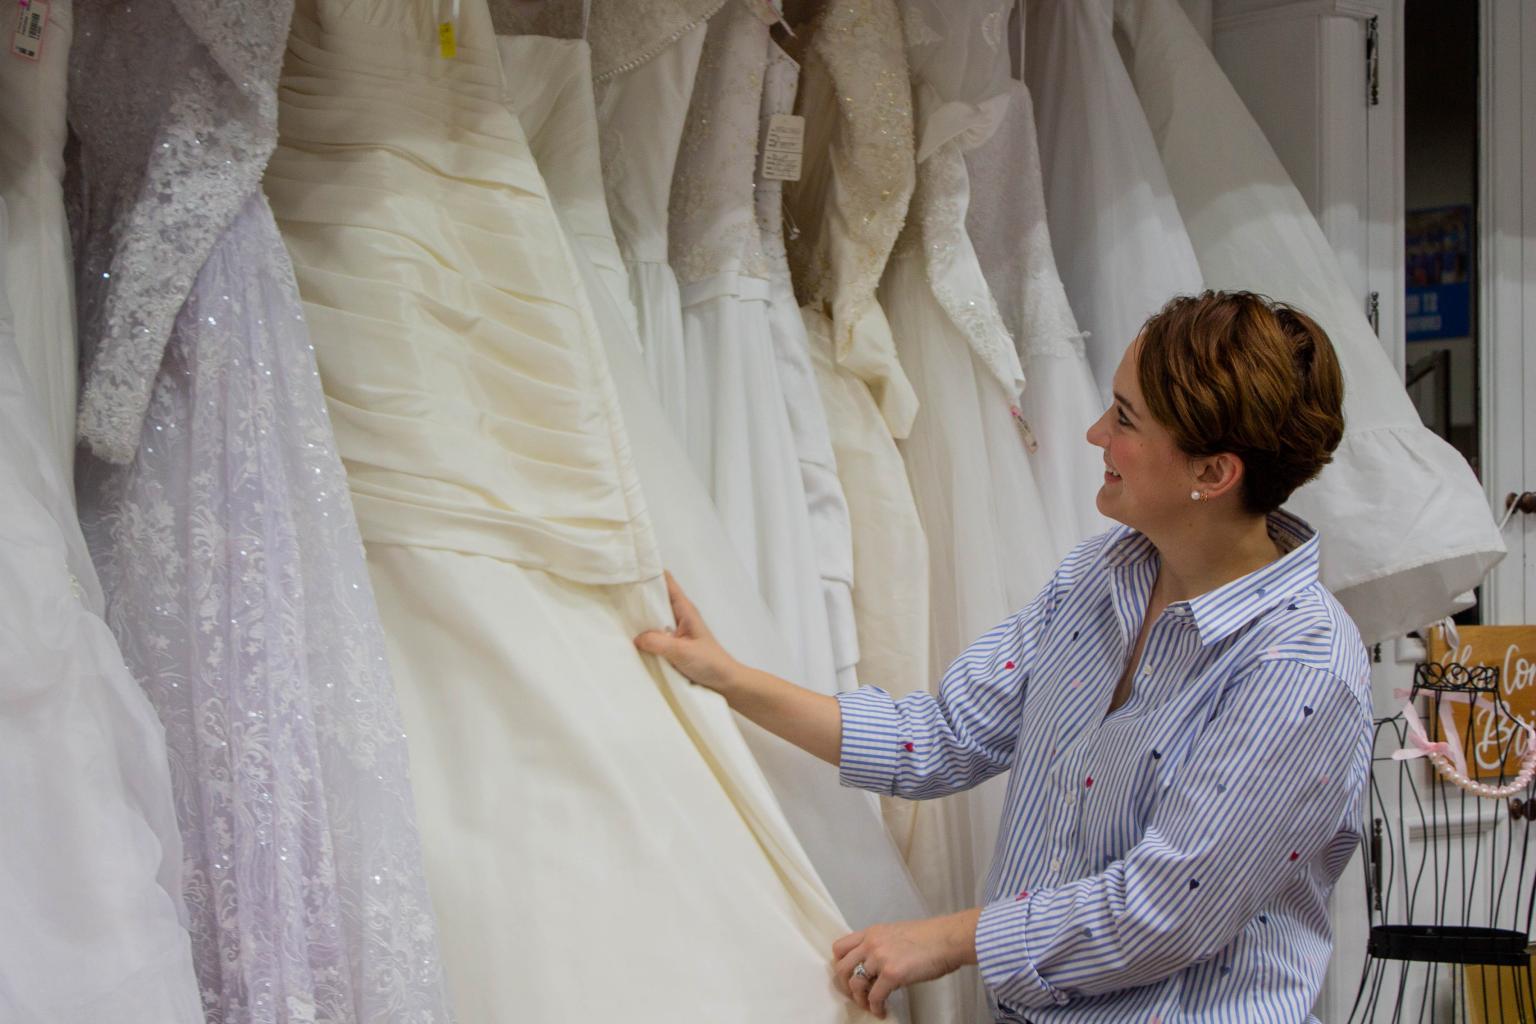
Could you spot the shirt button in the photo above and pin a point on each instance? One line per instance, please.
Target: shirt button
(1071, 799)
(1055, 863)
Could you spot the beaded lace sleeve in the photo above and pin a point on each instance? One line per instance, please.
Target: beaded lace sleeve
(174, 106)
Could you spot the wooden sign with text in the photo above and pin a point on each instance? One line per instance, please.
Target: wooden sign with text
(1512, 650)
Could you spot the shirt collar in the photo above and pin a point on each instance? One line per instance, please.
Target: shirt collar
(1221, 612)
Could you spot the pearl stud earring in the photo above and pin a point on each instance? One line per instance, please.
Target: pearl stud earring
(1196, 496)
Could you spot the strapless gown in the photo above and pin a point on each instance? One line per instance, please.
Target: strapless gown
(837, 826)
(597, 842)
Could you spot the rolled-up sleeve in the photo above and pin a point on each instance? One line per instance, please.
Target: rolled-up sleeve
(923, 746)
(1262, 793)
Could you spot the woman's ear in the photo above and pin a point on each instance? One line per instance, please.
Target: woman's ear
(1216, 475)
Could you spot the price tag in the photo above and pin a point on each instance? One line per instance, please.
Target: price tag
(784, 147)
(1030, 444)
(27, 40)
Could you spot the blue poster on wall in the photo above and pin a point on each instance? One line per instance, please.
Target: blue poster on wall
(1439, 300)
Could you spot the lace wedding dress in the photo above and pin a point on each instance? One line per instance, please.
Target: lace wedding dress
(567, 786)
(847, 208)
(91, 889)
(739, 436)
(1120, 242)
(1404, 522)
(825, 500)
(1006, 221)
(227, 544)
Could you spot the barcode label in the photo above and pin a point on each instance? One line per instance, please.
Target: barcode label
(27, 41)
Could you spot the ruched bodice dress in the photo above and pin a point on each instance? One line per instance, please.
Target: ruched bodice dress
(567, 786)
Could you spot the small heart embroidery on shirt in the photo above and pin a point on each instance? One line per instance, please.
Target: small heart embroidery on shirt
(1088, 782)
(907, 747)
(1008, 665)
(1021, 896)
(1156, 756)
(1306, 709)
(1193, 884)
(1295, 855)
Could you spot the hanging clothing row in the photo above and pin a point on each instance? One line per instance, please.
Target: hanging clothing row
(416, 339)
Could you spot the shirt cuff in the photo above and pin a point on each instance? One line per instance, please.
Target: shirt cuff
(872, 744)
(1002, 953)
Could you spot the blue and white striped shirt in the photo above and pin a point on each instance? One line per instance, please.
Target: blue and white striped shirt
(1170, 861)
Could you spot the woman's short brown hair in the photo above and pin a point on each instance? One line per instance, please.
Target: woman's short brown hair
(1238, 372)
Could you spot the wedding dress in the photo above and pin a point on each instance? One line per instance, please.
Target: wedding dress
(226, 543)
(36, 258)
(641, 112)
(1120, 243)
(825, 502)
(990, 544)
(847, 208)
(1006, 222)
(843, 837)
(739, 437)
(1405, 525)
(568, 787)
(90, 895)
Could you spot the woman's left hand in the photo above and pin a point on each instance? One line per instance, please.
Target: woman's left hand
(903, 953)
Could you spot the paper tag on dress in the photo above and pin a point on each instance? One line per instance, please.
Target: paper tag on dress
(447, 46)
(1030, 444)
(27, 41)
(766, 10)
(784, 147)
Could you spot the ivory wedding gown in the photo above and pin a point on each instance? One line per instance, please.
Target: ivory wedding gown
(1120, 242)
(568, 787)
(1404, 522)
(739, 436)
(836, 825)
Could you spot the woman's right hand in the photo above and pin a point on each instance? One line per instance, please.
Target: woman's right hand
(691, 647)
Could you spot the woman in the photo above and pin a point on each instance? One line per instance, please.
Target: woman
(1184, 708)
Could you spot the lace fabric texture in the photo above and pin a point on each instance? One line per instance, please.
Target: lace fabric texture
(825, 500)
(713, 227)
(174, 106)
(1006, 222)
(953, 271)
(236, 584)
(851, 200)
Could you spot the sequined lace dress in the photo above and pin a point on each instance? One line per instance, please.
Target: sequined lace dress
(217, 512)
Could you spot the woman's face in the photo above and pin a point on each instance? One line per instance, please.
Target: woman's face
(1147, 478)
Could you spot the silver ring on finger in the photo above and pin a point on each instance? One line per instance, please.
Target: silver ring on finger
(859, 971)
